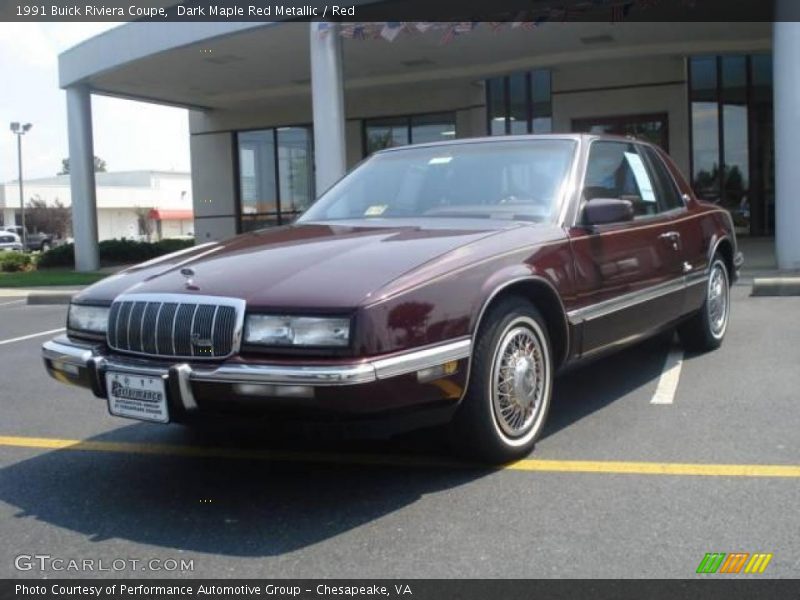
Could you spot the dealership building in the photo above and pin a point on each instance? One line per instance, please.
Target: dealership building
(138, 205)
(279, 111)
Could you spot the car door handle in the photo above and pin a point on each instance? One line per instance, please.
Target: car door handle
(672, 238)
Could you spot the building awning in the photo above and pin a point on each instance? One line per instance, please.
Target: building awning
(170, 215)
(174, 64)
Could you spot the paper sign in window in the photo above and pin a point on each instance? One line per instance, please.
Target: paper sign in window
(375, 210)
(641, 176)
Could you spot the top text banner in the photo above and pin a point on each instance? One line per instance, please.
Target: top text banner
(396, 12)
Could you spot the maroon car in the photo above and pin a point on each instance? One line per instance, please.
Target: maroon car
(438, 283)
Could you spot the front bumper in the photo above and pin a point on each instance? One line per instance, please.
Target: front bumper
(356, 389)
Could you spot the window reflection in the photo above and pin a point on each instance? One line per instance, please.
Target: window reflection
(735, 141)
(519, 103)
(386, 133)
(704, 78)
(275, 175)
(762, 144)
(496, 101)
(732, 145)
(705, 150)
(542, 101)
(415, 129)
(432, 128)
(295, 170)
(651, 128)
(257, 172)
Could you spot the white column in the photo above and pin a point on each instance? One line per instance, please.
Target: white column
(81, 178)
(327, 96)
(786, 75)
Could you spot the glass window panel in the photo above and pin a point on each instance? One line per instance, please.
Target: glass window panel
(704, 78)
(497, 106)
(540, 82)
(518, 103)
(295, 169)
(761, 77)
(734, 79)
(761, 196)
(736, 173)
(762, 69)
(386, 133)
(251, 222)
(542, 125)
(257, 172)
(705, 150)
(433, 128)
(650, 128)
(667, 193)
(541, 101)
(495, 180)
(610, 173)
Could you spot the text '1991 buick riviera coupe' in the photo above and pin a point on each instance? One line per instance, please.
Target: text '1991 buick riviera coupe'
(439, 284)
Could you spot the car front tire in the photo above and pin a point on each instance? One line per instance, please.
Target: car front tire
(705, 330)
(510, 385)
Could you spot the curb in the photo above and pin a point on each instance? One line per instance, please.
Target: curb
(776, 286)
(57, 298)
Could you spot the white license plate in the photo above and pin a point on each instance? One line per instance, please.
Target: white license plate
(137, 397)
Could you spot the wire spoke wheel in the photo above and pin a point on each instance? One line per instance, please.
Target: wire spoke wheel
(510, 384)
(717, 301)
(519, 380)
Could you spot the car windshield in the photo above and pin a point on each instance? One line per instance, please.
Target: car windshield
(518, 180)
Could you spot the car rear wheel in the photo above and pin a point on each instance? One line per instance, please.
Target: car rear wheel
(706, 329)
(45, 246)
(510, 386)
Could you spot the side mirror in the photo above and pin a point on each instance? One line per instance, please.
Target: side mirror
(600, 211)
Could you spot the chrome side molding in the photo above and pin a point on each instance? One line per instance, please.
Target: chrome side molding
(422, 359)
(607, 307)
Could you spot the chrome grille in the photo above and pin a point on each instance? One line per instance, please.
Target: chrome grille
(176, 326)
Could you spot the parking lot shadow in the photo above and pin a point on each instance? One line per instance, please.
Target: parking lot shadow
(254, 507)
(586, 389)
(236, 507)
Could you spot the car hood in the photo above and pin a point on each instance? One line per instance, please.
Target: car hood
(321, 266)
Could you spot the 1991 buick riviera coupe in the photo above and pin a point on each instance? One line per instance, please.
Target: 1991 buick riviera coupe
(434, 284)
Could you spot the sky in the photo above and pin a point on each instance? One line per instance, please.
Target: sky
(127, 135)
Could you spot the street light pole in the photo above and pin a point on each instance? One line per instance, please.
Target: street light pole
(19, 131)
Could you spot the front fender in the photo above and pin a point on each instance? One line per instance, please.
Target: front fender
(451, 306)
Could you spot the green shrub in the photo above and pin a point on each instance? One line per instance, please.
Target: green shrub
(172, 245)
(12, 262)
(115, 252)
(60, 256)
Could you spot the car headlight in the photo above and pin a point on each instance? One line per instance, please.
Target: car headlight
(88, 318)
(272, 330)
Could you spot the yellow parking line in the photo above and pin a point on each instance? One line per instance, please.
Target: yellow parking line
(656, 468)
(541, 465)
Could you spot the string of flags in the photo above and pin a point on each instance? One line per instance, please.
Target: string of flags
(527, 21)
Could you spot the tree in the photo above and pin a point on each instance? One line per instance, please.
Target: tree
(144, 223)
(55, 220)
(99, 166)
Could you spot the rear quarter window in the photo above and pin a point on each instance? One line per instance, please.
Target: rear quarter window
(667, 192)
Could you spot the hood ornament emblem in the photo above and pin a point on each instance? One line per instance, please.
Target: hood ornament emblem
(189, 274)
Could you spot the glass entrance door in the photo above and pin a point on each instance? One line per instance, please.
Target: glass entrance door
(732, 133)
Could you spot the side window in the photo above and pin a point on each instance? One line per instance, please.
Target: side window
(667, 193)
(616, 170)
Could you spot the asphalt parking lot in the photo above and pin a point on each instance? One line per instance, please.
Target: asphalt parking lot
(700, 461)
